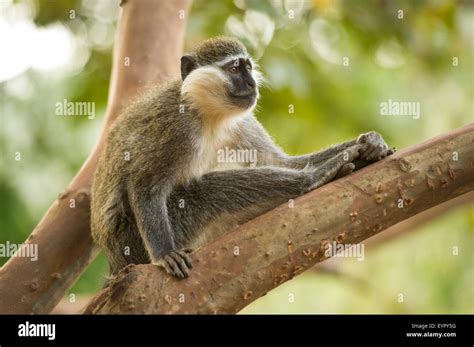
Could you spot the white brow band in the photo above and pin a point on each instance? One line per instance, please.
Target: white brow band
(232, 58)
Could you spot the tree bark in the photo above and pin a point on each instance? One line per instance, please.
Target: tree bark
(149, 44)
(242, 265)
(405, 227)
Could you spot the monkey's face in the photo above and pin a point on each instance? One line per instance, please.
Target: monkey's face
(226, 87)
(241, 86)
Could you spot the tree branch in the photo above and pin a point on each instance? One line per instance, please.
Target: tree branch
(242, 265)
(403, 228)
(150, 38)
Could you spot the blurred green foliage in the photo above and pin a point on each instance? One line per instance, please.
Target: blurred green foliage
(301, 47)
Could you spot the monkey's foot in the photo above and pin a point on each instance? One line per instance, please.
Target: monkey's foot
(374, 147)
(176, 263)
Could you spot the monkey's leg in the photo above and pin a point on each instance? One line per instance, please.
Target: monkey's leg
(221, 200)
(156, 231)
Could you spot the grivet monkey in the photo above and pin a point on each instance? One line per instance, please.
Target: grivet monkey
(159, 189)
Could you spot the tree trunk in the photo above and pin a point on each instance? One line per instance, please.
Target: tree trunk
(242, 265)
(148, 47)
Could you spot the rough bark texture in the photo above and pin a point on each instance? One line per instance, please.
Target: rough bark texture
(405, 227)
(284, 242)
(151, 35)
(412, 224)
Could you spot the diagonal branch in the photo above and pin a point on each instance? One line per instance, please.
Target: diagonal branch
(404, 228)
(149, 43)
(241, 266)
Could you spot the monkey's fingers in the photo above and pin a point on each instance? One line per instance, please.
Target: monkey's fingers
(372, 153)
(369, 137)
(353, 152)
(348, 168)
(364, 147)
(328, 171)
(377, 152)
(362, 138)
(345, 170)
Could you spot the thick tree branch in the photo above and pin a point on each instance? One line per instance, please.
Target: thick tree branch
(149, 43)
(241, 266)
(405, 227)
(430, 215)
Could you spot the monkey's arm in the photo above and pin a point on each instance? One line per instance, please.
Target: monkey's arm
(316, 158)
(373, 148)
(229, 198)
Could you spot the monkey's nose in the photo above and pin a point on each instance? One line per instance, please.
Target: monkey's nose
(251, 83)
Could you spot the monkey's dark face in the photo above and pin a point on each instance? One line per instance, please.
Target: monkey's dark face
(227, 84)
(242, 89)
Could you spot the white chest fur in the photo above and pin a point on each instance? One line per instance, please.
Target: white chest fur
(214, 140)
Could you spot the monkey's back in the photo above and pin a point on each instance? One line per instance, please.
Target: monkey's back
(148, 138)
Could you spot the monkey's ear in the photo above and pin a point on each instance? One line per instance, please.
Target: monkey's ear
(188, 64)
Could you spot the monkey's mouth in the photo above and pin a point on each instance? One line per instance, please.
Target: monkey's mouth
(243, 99)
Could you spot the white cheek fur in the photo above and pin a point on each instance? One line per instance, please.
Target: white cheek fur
(208, 78)
(205, 90)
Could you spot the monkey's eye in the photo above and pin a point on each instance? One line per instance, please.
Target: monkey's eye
(233, 69)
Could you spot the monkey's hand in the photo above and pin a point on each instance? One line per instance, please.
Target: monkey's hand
(176, 262)
(341, 163)
(374, 147)
(345, 170)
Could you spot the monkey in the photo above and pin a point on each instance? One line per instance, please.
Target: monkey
(159, 190)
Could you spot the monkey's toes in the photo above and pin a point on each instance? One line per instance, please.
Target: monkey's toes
(184, 256)
(176, 263)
